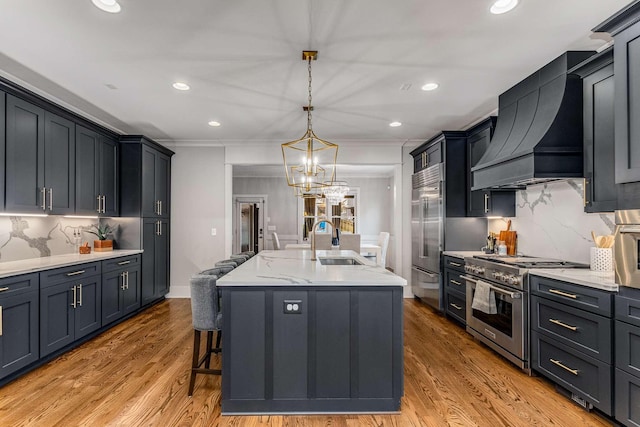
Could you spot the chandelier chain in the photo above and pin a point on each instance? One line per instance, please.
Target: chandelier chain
(309, 98)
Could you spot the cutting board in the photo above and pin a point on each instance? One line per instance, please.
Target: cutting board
(509, 238)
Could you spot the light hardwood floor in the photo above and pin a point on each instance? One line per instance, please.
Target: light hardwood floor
(136, 374)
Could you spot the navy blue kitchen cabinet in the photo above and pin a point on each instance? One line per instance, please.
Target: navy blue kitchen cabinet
(40, 160)
(487, 202)
(455, 289)
(155, 259)
(70, 305)
(96, 173)
(120, 287)
(627, 357)
(19, 308)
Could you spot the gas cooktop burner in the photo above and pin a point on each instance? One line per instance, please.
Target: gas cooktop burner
(531, 262)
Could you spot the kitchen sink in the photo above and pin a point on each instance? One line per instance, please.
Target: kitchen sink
(339, 261)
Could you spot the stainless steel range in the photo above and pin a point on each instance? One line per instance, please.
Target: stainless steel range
(505, 329)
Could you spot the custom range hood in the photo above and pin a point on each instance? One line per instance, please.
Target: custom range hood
(538, 135)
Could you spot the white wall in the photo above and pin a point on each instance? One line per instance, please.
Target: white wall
(197, 206)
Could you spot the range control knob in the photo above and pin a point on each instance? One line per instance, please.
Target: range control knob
(480, 270)
(497, 275)
(514, 280)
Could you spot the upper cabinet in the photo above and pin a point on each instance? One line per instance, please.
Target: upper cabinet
(40, 158)
(146, 168)
(598, 129)
(96, 173)
(426, 155)
(485, 202)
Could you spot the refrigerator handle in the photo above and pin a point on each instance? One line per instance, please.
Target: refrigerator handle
(425, 272)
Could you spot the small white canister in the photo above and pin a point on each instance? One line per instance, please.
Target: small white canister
(602, 259)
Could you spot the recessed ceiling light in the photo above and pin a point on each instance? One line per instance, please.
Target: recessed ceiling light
(503, 6)
(430, 86)
(181, 86)
(395, 124)
(110, 6)
(214, 124)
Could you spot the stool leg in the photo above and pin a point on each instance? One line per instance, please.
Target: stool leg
(207, 361)
(218, 337)
(194, 363)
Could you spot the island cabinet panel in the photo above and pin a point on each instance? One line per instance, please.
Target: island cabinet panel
(338, 350)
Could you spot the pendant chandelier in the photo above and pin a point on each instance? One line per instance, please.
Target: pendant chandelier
(335, 192)
(309, 162)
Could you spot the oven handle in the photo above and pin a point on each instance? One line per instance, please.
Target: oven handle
(629, 229)
(514, 295)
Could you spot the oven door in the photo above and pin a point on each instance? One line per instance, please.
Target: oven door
(627, 250)
(505, 330)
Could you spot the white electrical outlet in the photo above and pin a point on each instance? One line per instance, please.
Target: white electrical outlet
(214, 231)
(271, 228)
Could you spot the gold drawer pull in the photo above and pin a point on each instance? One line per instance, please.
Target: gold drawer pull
(564, 294)
(564, 325)
(455, 282)
(4, 289)
(124, 262)
(455, 264)
(0, 320)
(75, 273)
(558, 363)
(456, 306)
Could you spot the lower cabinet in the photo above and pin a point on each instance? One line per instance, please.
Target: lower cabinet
(627, 399)
(627, 356)
(69, 311)
(455, 292)
(571, 339)
(155, 259)
(120, 288)
(18, 323)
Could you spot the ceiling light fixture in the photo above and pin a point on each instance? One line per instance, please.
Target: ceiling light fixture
(395, 124)
(214, 124)
(309, 162)
(430, 86)
(181, 86)
(334, 192)
(503, 6)
(111, 6)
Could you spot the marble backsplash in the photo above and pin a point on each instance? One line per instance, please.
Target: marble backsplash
(23, 237)
(551, 222)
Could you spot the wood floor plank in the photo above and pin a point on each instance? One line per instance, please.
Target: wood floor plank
(136, 374)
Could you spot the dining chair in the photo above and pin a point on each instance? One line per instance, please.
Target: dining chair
(383, 242)
(276, 241)
(350, 242)
(206, 317)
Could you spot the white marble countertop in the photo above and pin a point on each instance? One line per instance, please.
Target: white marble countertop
(32, 265)
(580, 276)
(462, 254)
(294, 267)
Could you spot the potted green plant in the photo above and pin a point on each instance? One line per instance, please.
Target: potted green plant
(102, 231)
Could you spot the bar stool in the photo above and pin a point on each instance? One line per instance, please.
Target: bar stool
(218, 271)
(232, 262)
(206, 317)
(239, 258)
(250, 253)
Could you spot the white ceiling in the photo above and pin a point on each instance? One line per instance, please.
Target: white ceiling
(243, 61)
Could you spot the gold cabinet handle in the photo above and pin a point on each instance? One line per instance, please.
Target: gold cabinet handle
(122, 277)
(160, 213)
(455, 282)
(566, 368)
(564, 325)
(584, 192)
(0, 320)
(99, 204)
(75, 297)
(51, 199)
(456, 306)
(75, 273)
(80, 295)
(4, 289)
(124, 262)
(455, 264)
(564, 294)
(486, 203)
(43, 193)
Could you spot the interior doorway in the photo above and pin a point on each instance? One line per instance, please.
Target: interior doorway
(248, 223)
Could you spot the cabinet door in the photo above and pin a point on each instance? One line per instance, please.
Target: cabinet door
(162, 184)
(18, 332)
(149, 165)
(162, 259)
(59, 161)
(600, 191)
(87, 185)
(56, 318)
(131, 294)
(108, 175)
(627, 105)
(88, 310)
(24, 156)
(112, 284)
(2, 145)
(147, 287)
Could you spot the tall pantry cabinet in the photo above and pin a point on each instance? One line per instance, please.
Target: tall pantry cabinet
(145, 172)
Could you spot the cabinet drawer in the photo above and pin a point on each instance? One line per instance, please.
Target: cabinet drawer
(583, 331)
(628, 310)
(627, 399)
(126, 262)
(628, 347)
(454, 283)
(17, 285)
(456, 307)
(583, 375)
(75, 272)
(593, 300)
(454, 263)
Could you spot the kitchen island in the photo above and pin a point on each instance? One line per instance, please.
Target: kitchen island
(303, 337)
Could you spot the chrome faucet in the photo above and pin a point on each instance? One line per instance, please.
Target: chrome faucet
(313, 235)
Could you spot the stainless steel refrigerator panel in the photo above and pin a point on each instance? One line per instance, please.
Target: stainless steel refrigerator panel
(426, 286)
